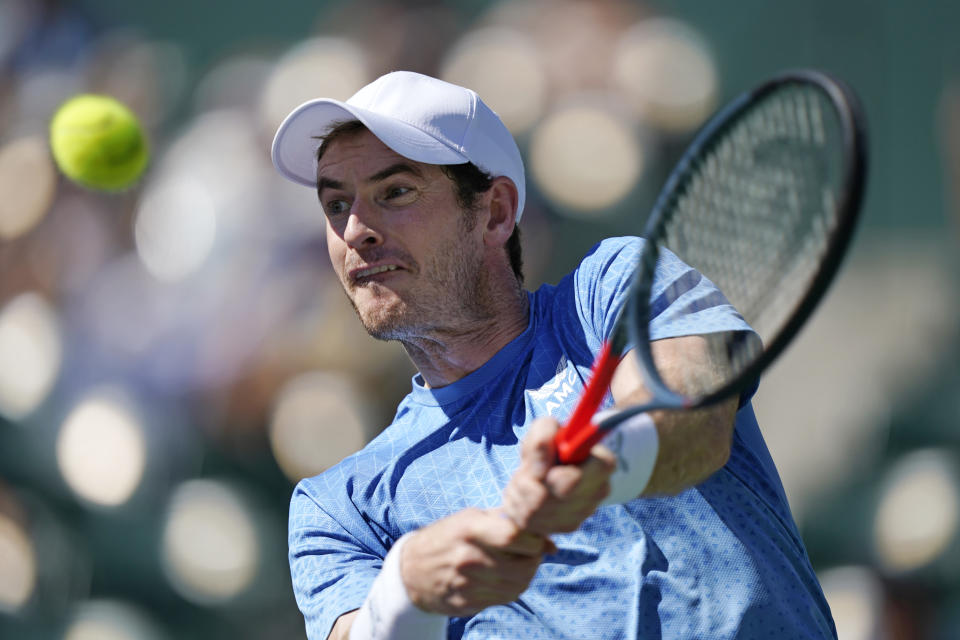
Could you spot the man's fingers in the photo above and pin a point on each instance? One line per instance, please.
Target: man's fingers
(470, 560)
(563, 495)
(503, 569)
(544, 497)
(602, 458)
(499, 533)
(530, 545)
(570, 481)
(524, 496)
(537, 451)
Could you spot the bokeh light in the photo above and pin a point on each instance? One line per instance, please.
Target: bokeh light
(318, 419)
(586, 156)
(503, 66)
(111, 620)
(667, 74)
(332, 67)
(28, 184)
(856, 600)
(210, 546)
(221, 155)
(30, 354)
(575, 40)
(175, 230)
(919, 511)
(18, 565)
(101, 449)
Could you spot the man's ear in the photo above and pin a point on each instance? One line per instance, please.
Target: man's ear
(502, 208)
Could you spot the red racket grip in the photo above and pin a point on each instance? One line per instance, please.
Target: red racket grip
(575, 439)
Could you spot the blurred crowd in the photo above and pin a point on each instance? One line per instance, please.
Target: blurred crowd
(173, 358)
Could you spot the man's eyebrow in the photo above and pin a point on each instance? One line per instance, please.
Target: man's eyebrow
(327, 183)
(399, 167)
(383, 174)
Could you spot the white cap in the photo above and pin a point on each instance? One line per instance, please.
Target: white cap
(421, 118)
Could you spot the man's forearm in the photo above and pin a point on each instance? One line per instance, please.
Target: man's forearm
(693, 445)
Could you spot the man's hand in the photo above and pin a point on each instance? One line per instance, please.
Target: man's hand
(543, 497)
(470, 560)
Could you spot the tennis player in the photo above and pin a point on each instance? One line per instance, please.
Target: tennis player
(456, 522)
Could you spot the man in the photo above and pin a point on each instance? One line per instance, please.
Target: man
(457, 520)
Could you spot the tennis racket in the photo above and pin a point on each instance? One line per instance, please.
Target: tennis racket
(763, 203)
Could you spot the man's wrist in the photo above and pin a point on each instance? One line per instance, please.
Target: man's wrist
(388, 613)
(403, 570)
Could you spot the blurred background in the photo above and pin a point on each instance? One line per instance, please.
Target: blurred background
(175, 357)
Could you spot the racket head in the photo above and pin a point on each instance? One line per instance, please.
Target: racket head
(808, 126)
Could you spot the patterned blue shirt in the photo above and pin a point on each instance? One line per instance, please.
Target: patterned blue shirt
(720, 560)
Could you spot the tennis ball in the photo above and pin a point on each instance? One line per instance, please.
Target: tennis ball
(98, 143)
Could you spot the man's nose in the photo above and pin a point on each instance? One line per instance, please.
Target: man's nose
(361, 230)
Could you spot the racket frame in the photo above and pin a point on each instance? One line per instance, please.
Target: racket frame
(636, 315)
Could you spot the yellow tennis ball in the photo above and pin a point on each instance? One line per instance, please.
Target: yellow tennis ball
(98, 142)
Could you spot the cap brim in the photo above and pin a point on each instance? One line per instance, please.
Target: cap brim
(299, 136)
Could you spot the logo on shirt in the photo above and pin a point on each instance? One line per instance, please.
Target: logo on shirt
(558, 392)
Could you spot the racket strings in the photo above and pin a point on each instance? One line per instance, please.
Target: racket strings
(757, 210)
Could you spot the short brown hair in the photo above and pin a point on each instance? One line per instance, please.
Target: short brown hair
(469, 181)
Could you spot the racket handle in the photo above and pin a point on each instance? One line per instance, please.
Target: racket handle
(575, 439)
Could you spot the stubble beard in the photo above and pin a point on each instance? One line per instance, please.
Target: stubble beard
(453, 294)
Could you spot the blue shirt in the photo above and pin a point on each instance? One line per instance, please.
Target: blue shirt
(720, 560)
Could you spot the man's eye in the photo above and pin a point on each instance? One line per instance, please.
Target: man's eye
(396, 192)
(334, 207)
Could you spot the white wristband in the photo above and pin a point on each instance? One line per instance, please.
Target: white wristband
(635, 443)
(388, 613)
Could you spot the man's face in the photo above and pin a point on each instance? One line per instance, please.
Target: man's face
(407, 256)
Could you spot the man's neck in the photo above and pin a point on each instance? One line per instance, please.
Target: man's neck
(446, 356)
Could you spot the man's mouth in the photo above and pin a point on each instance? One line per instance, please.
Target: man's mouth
(362, 274)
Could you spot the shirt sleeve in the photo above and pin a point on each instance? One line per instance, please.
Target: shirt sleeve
(601, 284)
(683, 301)
(331, 566)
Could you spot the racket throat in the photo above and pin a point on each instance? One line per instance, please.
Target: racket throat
(578, 436)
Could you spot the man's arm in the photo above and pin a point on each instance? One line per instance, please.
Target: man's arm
(471, 560)
(456, 566)
(693, 443)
